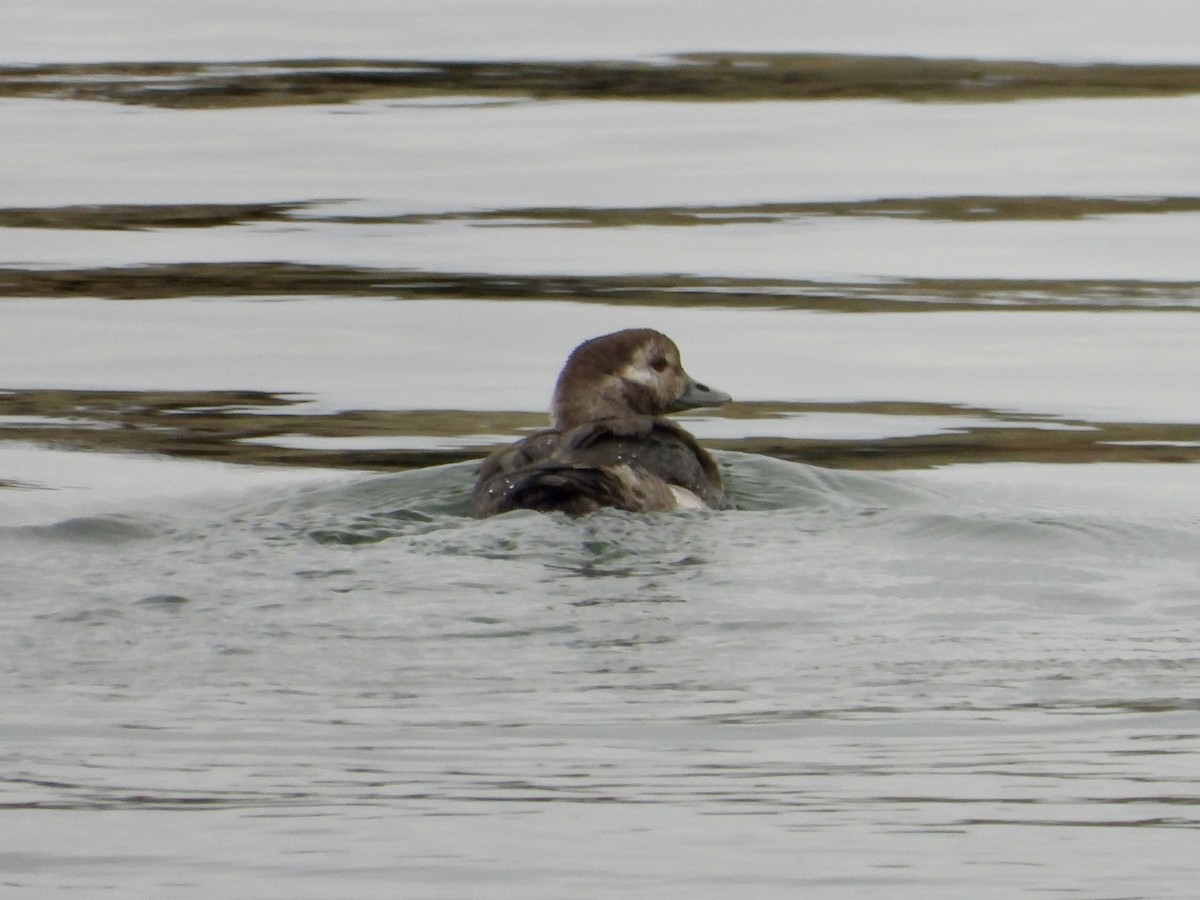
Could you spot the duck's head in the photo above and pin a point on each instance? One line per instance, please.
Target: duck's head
(635, 372)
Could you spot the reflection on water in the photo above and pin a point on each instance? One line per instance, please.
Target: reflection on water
(258, 321)
(262, 428)
(711, 76)
(951, 209)
(891, 295)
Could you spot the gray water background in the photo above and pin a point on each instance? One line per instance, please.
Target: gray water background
(972, 674)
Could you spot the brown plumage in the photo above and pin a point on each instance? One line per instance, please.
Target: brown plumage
(609, 445)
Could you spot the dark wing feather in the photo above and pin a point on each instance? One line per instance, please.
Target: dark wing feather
(628, 463)
(656, 446)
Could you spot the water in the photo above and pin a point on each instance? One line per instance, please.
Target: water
(252, 340)
(865, 682)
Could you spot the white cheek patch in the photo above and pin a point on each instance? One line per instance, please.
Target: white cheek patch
(639, 375)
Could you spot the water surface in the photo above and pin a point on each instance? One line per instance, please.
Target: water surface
(268, 292)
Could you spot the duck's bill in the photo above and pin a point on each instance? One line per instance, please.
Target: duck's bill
(696, 394)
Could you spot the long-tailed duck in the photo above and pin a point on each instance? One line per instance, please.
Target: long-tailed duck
(609, 445)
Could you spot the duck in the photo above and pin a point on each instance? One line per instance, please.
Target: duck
(609, 444)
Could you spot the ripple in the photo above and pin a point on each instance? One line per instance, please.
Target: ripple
(689, 77)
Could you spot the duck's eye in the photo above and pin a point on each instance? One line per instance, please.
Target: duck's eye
(659, 364)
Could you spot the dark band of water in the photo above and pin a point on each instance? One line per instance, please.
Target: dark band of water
(693, 77)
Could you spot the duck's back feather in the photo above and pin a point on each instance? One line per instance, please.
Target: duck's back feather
(636, 463)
